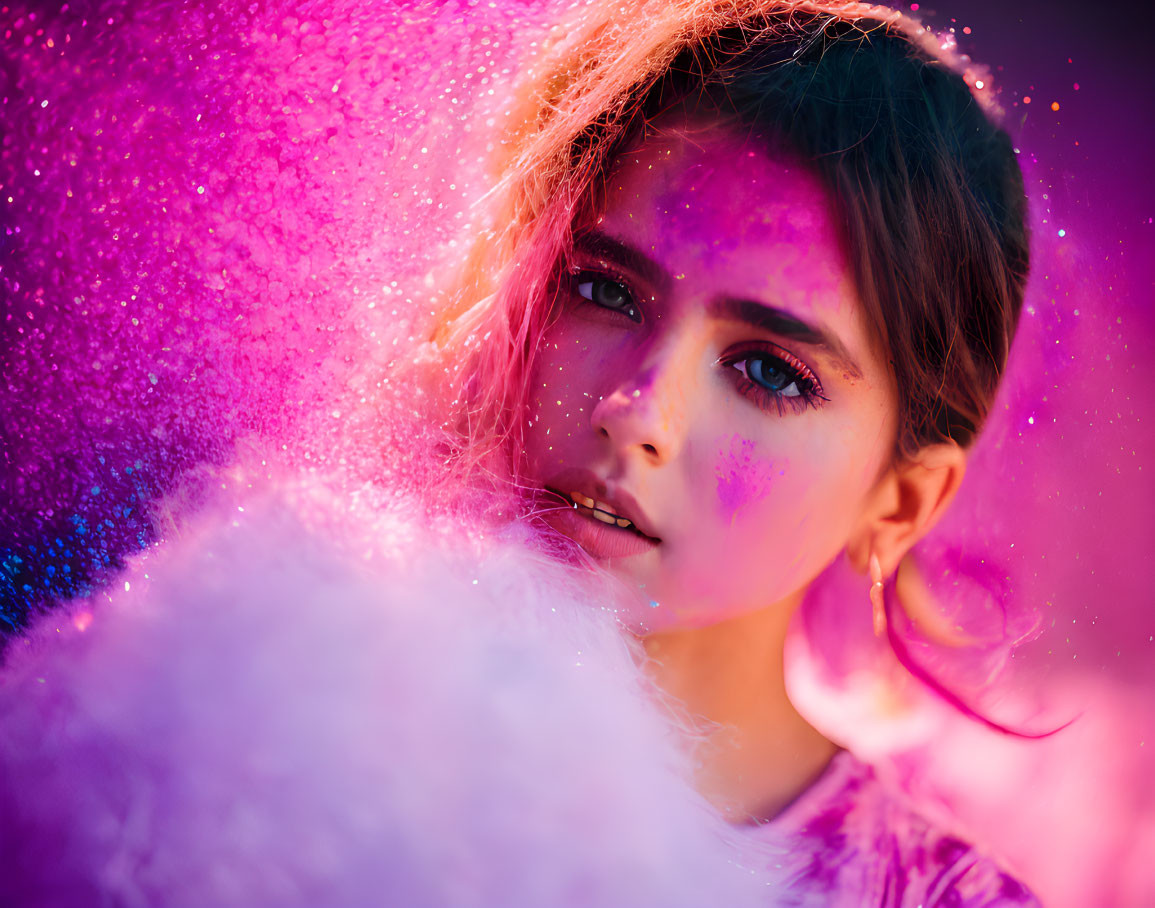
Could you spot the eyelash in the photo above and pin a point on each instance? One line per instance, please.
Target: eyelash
(798, 374)
(590, 276)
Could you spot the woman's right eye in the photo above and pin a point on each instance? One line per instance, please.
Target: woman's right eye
(608, 293)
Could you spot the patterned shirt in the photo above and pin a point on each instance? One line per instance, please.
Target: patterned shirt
(855, 843)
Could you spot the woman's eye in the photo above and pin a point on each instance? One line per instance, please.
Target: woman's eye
(772, 374)
(775, 381)
(608, 293)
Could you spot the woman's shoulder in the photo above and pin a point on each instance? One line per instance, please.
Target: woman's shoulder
(854, 841)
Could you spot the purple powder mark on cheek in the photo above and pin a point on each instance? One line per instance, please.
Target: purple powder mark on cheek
(743, 478)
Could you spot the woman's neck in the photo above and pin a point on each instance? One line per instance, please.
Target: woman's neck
(756, 753)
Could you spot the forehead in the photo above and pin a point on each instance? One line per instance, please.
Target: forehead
(717, 207)
(713, 168)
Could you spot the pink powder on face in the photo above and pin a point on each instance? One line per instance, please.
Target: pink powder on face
(743, 478)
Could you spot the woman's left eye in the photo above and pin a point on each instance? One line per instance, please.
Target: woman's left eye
(772, 374)
(608, 293)
(775, 380)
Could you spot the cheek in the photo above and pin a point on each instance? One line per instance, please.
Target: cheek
(743, 477)
(558, 371)
(563, 390)
(781, 512)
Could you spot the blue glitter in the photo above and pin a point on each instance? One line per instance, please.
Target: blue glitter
(75, 552)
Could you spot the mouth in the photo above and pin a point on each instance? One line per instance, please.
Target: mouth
(600, 511)
(598, 526)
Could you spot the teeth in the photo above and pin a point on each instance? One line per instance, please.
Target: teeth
(601, 510)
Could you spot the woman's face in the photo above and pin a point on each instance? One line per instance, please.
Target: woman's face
(710, 379)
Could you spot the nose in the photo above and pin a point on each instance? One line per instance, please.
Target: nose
(646, 414)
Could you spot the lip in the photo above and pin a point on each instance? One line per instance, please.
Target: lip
(599, 539)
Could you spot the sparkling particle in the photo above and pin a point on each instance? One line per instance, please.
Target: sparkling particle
(1054, 105)
(979, 83)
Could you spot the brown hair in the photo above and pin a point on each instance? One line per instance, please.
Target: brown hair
(926, 184)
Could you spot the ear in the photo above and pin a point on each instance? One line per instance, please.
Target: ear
(905, 504)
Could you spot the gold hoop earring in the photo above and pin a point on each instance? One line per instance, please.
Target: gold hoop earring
(877, 604)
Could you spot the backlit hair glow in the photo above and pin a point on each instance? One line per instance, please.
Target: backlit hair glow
(926, 187)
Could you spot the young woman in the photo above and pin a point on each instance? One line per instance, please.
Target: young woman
(752, 277)
(748, 283)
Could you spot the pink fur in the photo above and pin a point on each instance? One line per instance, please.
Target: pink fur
(299, 710)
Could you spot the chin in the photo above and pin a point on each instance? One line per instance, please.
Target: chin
(643, 616)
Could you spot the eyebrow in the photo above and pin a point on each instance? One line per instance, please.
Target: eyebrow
(758, 315)
(784, 324)
(601, 245)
